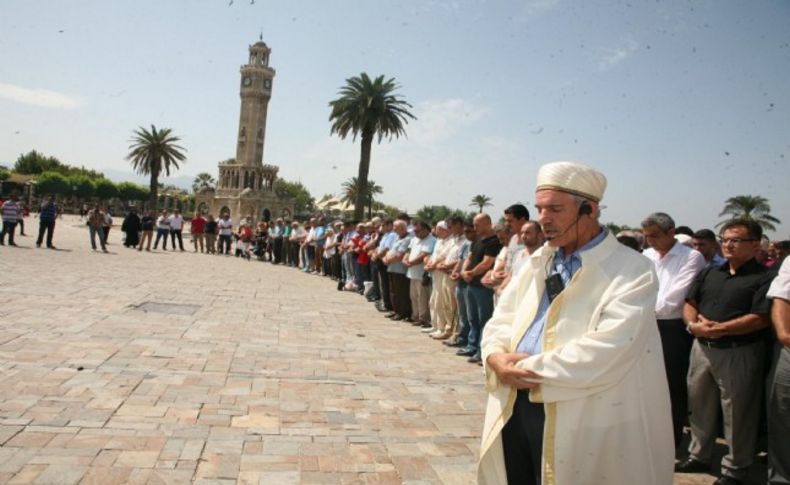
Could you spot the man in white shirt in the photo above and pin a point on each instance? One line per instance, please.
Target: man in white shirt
(441, 320)
(225, 229)
(162, 229)
(515, 217)
(455, 242)
(176, 227)
(532, 237)
(676, 265)
(779, 380)
(420, 249)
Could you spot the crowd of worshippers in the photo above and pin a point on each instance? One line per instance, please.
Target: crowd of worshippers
(713, 305)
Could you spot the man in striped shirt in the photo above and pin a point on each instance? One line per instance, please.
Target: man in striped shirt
(47, 216)
(11, 213)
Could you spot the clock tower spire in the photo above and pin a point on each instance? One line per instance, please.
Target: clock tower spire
(255, 92)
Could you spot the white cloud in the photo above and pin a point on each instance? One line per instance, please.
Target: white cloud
(38, 97)
(614, 56)
(439, 120)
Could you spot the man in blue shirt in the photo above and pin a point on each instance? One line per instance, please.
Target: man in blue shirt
(47, 216)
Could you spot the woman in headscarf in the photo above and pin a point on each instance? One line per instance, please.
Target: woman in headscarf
(132, 227)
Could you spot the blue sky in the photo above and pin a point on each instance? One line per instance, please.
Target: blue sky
(680, 103)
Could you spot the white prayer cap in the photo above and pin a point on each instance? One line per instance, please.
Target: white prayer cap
(441, 225)
(573, 178)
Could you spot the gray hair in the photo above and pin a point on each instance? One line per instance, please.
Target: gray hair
(661, 220)
(400, 223)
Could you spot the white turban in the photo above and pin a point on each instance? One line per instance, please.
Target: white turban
(573, 178)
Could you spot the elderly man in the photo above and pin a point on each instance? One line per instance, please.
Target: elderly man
(677, 266)
(705, 242)
(441, 320)
(779, 381)
(727, 311)
(577, 387)
(420, 249)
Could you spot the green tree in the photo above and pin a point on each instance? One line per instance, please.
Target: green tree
(481, 201)
(303, 201)
(105, 189)
(53, 183)
(389, 211)
(33, 163)
(350, 190)
(753, 207)
(152, 152)
(82, 187)
(368, 109)
(4, 175)
(436, 213)
(131, 192)
(203, 180)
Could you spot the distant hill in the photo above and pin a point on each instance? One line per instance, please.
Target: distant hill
(181, 181)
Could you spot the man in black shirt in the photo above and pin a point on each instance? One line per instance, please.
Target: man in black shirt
(480, 299)
(727, 311)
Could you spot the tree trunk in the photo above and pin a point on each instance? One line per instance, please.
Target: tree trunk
(362, 177)
(154, 198)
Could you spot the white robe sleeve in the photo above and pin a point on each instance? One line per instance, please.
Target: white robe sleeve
(498, 331)
(600, 358)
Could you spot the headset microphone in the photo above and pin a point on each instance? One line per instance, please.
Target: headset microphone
(585, 209)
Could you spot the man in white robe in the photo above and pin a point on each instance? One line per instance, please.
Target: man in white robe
(577, 388)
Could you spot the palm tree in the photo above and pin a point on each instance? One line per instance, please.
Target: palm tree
(368, 108)
(351, 190)
(154, 151)
(481, 201)
(203, 180)
(753, 207)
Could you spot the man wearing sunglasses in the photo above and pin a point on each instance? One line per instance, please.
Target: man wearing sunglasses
(727, 311)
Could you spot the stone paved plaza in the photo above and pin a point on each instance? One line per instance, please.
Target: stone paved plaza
(258, 374)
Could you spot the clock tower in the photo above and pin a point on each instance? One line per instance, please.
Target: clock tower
(255, 91)
(246, 187)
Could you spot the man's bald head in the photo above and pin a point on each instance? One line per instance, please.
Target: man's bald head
(482, 223)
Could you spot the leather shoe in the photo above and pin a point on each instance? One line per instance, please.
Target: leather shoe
(690, 465)
(465, 352)
(725, 480)
(474, 359)
(455, 344)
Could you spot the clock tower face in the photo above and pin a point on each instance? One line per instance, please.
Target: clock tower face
(246, 81)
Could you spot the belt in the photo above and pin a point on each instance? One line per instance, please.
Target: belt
(731, 344)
